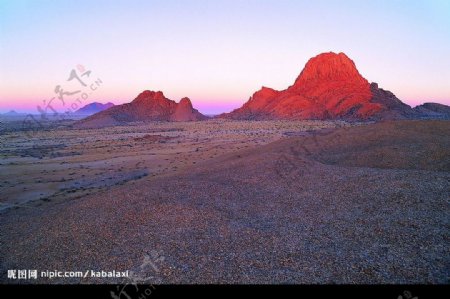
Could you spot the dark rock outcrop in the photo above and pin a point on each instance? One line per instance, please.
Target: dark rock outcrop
(433, 110)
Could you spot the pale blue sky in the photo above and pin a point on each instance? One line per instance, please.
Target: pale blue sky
(218, 52)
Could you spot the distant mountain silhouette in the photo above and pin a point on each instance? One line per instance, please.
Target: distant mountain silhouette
(93, 108)
(147, 106)
(13, 113)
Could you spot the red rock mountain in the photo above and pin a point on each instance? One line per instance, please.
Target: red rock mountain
(148, 106)
(329, 87)
(185, 112)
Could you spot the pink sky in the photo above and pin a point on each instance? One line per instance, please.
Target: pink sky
(217, 53)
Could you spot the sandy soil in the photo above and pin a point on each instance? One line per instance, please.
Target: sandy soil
(366, 204)
(59, 163)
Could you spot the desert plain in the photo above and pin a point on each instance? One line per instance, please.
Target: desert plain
(227, 201)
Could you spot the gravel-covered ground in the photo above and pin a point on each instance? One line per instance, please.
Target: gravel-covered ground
(57, 163)
(366, 204)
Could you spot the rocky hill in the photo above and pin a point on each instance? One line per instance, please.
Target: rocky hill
(329, 87)
(147, 106)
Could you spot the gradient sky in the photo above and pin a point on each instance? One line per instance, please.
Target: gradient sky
(218, 53)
